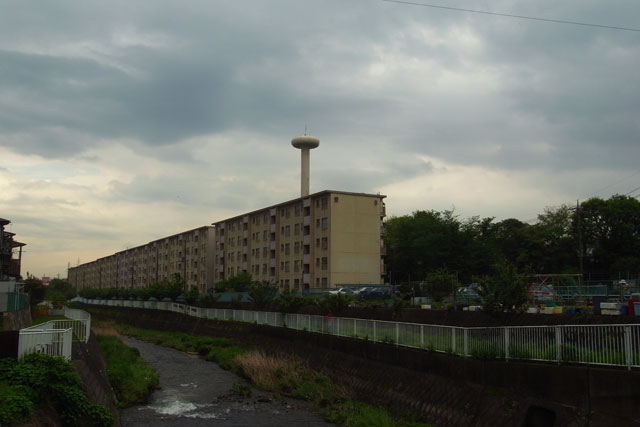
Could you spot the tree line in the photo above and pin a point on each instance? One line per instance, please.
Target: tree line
(599, 237)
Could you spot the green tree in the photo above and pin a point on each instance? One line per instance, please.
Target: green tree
(262, 294)
(237, 283)
(441, 283)
(33, 287)
(505, 291)
(290, 302)
(610, 232)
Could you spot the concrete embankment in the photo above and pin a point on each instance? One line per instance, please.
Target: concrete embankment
(441, 389)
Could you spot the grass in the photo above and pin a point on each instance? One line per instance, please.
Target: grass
(131, 377)
(356, 414)
(220, 350)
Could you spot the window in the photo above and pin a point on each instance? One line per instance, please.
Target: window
(286, 248)
(296, 247)
(282, 230)
(264, 235)
(324, 202)
(296, 266)
(324, 263)
(317, 262)
(324, 282)
(325, 243)
(296, 230)
(318, 223)
(287, 230)
(281, 265)
(335, 200)
(281, 247)
(286, 283)
(286, 266)
(287, 212)
(325, 223)
(264, 252)
(296, 210)
(317, 242)
(296, 283)
(264, 268)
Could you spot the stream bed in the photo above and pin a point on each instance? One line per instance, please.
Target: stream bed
(194, 392)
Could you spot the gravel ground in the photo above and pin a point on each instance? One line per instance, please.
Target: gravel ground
(194, 392)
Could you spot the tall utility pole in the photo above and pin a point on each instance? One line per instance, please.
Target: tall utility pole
(580, 246)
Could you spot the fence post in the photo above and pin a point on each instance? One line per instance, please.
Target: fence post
(453, 340)
(338, 327)
(355, 331)
(627, 346)
(421, 336)
(506, 343)
(397, 333)
(466, 341)
(374, 331)
(558, 344)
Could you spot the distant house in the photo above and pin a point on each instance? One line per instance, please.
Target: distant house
(10, 254)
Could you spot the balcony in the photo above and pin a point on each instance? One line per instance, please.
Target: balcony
(306, 202)
(272, 246)
(245, 234)
(244, 266)
(244, 250)
(245, 219)
(306, 258)
(273, 211)
(306, 220)
(273, 228)
(306, 279)
(272, 263)
(383, 250)
(306, 240)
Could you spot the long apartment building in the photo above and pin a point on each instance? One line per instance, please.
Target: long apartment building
(322, 240)
(189, 255)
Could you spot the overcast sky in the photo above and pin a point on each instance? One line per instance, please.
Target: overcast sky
(122, 122)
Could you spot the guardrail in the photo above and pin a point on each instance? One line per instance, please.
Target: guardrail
(47, 339)
(55, 337)
(611, 345)
(82, 325)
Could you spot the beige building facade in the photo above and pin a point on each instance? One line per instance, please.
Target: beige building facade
(319, 241)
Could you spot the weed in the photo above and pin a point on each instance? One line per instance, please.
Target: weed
(242, 390)
(132, 378)
(356, 414)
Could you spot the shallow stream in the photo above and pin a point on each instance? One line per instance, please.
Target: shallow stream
(194, 392)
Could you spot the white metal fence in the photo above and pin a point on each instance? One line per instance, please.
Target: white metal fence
(45, 338)
(615, 345)
(82, 324)
(55, 337)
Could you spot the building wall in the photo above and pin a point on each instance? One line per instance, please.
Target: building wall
(188, 254)
(319, 241)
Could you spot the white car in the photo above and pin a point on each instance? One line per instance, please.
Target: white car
(345, 291)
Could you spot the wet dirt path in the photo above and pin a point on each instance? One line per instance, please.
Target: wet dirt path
(195, 392)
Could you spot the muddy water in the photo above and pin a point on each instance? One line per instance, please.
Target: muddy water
(195, 392)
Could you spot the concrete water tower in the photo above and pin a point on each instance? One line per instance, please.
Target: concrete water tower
(305, 143)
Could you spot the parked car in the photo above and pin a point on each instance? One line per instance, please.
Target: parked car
(360, 290)
(345, 291)
(375, 293)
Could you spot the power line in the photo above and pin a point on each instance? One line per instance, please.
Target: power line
(508, 15)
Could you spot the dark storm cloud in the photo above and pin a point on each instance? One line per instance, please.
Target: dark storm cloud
(163, 73)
